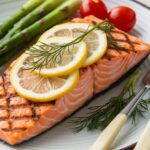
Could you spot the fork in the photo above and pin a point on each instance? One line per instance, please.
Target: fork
(109, 134)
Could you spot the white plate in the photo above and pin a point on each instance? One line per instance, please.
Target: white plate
(61, 136)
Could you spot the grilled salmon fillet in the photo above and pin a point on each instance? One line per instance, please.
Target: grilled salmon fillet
(21, 119)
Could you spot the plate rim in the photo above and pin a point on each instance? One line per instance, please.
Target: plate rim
(142, 4)
(131, 146)
(147, 7)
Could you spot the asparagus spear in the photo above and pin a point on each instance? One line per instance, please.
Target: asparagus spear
(35, 15)
(57, 15)
(28, 7)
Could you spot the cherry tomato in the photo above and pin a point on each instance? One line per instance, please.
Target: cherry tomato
(93, 7)
(123, 17)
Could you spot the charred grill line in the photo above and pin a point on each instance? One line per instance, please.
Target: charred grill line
(19, 129)
(27, 105)
(2, 107)
(1, 96)
(6, 129)
(13, 95)
(9, 96)
(9, 121)
(15, 129)
(7, 106)
(22, 117)
(125, 41)
(2, 86)
(34, 115)
(131, 43)
(3, 118)
(19, 106)
(8, 109)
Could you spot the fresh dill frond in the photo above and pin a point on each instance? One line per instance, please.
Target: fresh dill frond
(44, 54)
(112, 42)
(140, 110)
(99, 117)
(51, 54)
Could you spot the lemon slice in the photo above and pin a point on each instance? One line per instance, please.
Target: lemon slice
(68, 60)
(36, 88)
(96, 40)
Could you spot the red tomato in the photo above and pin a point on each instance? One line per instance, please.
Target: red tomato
(123, 17)
(93, 7)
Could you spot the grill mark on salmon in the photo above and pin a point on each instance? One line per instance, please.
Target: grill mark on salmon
(25, 117)
(109, 71)
(15, 129)
(21, 119)
(124, 41)
(3, 118)
(43, 116)
(34, 115)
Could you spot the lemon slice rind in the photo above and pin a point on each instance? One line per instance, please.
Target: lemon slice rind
(99, 52)
(53, 94)
(78, 59)
(68, 28)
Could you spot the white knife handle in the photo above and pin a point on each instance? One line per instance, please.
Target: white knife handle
(107, 137)
(144, 142)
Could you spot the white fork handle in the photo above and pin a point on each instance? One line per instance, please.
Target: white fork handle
(144, 142)
(107, 137)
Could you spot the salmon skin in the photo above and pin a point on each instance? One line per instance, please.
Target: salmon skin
(21, 119)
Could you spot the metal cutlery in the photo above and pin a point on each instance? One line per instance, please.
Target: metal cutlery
(109, 134)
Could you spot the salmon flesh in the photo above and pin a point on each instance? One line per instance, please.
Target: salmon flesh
(21, 119)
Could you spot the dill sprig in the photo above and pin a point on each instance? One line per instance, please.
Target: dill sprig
(51, 54)
(111, 41)
(44, 54)
(141, 109)
(100, 116)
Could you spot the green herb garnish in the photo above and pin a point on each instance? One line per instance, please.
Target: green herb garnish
(141, 108)
(100, 116)
(51, 54)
